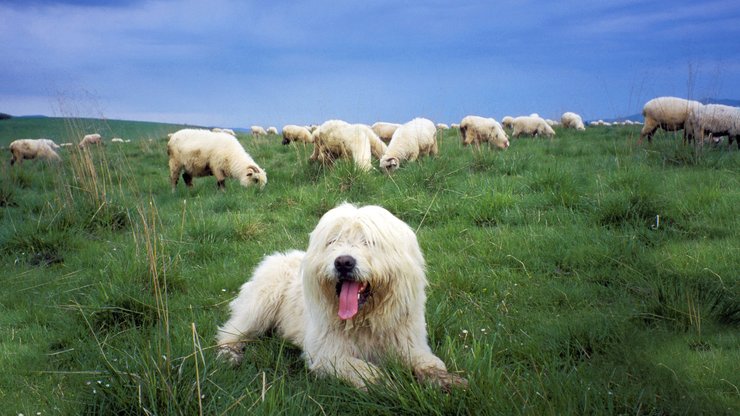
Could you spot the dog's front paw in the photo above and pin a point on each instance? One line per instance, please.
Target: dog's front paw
(443, 379)
(233, 353)
(453, 381)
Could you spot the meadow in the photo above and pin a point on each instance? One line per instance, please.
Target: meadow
(587, 274)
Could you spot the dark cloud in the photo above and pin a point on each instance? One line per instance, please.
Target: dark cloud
(228, 61)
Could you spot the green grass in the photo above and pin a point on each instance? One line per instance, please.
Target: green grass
(582, 275)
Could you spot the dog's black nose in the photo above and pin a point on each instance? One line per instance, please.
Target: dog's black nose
(344, 264)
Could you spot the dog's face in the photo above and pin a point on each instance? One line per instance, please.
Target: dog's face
(359, 258)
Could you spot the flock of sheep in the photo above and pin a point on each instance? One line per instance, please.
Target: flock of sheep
(217, 152)
(703, 122)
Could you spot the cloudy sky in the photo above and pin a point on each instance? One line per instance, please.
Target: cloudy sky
(235, 63)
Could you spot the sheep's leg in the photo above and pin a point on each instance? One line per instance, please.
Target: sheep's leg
(16, 158)
(188, 178)
(730, 138)
(220, 180)
(315, 153)
(174, 173)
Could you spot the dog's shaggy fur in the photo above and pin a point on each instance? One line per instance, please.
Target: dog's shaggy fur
(353, 299)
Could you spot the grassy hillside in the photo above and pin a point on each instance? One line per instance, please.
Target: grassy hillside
(582, 275)
(64, 130)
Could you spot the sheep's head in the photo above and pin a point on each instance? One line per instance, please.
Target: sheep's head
(253, 175)
(500, 138)
(389, 163)
(286, 140)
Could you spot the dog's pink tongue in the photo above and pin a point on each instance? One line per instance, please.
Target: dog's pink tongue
(348, 300)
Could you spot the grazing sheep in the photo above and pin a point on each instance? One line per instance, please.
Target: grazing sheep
(571, 120)
(385, 130)
(442, 126)
(336, 139)
(49, 142)
(31, 149)
(258, 131)
(89, 139)
(198, 153)
(476, 130)
(272, 130)
(293, 133)
(66, 144)
(668, 113)
(532, 126)
(116, 140)
(318, 133)
(223, 130)
(416, 138)
(507, 122)
(712, 121)
(454, 126)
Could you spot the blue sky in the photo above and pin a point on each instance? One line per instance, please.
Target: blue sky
(236, 63)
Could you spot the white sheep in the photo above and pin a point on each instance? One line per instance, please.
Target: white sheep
(442, 126)
(336, 139)
(258, 131)
(89, 139)
(507, 122)
(50, 142)
(570, 120)
(116, 140)
(410, 141)
(223, 130)
(293, 133)
(531, 126)
(68, 144)
(668, 113)
(455, 126)
(198, 153)
(476, 130)
(712, 121)
(272, 130)
(318, 132)
(385, 130)
(31, 149)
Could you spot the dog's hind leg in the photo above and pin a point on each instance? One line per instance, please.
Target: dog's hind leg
(267, 301)
(252, 314)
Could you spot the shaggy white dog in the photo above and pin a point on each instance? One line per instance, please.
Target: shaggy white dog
(354, 299)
